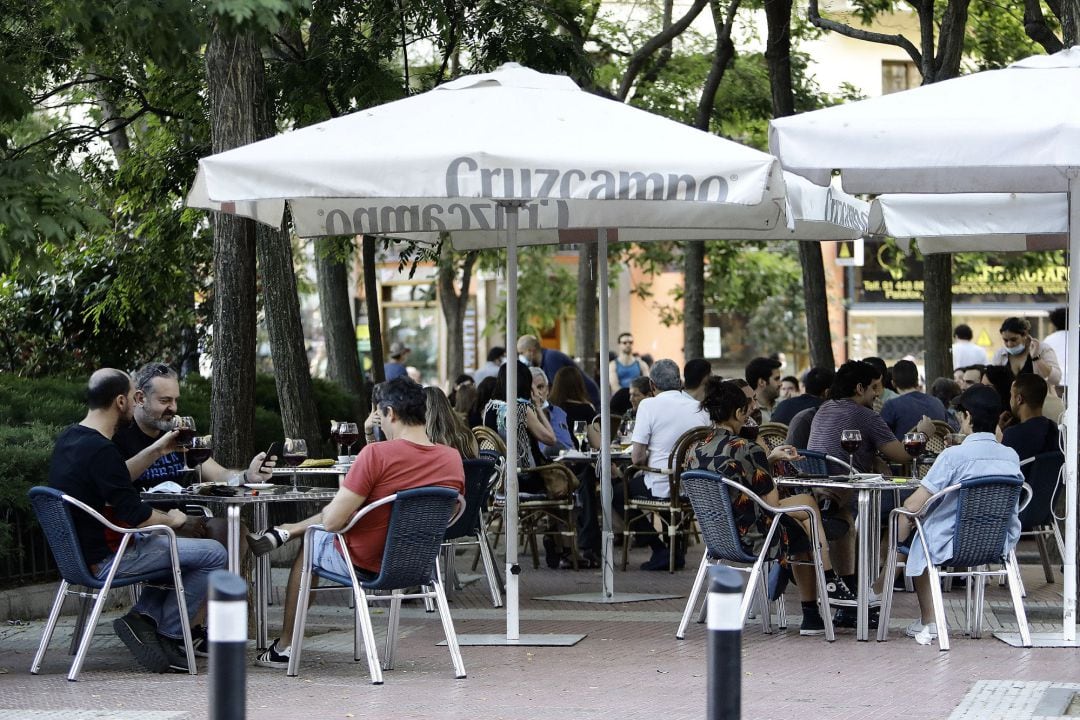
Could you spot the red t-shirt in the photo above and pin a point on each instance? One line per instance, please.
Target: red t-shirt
(382, 469)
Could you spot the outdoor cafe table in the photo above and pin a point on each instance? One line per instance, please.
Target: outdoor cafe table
(259, 501)
(868, 489)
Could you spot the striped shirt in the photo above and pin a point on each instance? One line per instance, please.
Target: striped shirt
(835, 416)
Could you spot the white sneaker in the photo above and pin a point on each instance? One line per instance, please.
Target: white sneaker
(917, 627)
(872, 598)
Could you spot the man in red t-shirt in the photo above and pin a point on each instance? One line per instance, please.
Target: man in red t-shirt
(407, 459)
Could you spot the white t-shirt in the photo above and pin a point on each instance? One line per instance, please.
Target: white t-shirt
(1059, 343)
(659, 423)
(966, 354)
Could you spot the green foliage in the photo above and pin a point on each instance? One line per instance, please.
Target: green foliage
(996, 34)
(547, 290)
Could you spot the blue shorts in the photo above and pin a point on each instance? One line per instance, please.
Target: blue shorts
(325, 554)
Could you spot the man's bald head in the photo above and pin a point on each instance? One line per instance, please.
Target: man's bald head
(105, 386)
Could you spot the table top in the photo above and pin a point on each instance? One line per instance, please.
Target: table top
(246, 496)
(574, 456)
(332, 470)
(862, 481)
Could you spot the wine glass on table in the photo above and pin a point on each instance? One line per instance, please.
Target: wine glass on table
(581, 433)
(850, 440)
(348, 434)
(749, 430)
(201, 449)
(335, 435)
(184, 425)
(293, 452)
(915, 445)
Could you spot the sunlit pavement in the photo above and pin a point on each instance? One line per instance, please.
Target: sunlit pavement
(628, 666)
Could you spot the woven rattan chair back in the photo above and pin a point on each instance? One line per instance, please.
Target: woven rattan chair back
(772, 434)
(488, 439)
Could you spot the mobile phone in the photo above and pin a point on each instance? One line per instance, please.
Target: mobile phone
(274, 450)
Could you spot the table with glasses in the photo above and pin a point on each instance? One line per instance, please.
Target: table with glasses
(259, 501)
(868, 488)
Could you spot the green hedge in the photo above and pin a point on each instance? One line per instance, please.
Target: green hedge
(33, 411)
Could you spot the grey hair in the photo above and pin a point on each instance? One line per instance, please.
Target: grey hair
(537, 373)
(665, 375)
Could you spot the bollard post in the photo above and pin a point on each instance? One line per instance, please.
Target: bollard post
(227, 630)
(725, 643)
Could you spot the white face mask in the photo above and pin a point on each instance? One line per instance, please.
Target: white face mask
(1016, 349)
(525, 360)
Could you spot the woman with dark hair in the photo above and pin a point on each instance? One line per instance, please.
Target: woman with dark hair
(532, 427)
(999, 378)
(1022, 353)
(445, 426)
(744, 461)
(945, 390)
(484, 392)
(568, 392)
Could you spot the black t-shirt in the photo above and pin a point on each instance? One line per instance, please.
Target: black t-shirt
(88, 466)
(132, 440)
(788, 409)
(1033, 437)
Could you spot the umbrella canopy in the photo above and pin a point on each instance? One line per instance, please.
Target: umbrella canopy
(999, 131)
(441, 160)
(1001, 222)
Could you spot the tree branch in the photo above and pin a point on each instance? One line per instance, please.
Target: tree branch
(1036, 28)
(898, 40)
(722, 55)
(638, 59)
(951, 40)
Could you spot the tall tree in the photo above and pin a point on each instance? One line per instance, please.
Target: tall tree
(585, 330)
(335, 308)
(234, 69)
(454, 301)
(778, 58)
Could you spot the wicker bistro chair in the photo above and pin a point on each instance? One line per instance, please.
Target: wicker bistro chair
(418, 522)
(675, 513)
(772, 434)
(710, 495)
(984, 509)
(53, 510)
(816, 463)
(538, 514)
(480, 474)
(1043, 473)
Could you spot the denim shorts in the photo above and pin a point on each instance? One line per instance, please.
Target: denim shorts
(325, 554)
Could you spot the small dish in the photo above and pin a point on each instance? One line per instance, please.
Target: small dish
(259, 486)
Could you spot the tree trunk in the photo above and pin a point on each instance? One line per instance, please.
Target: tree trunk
(586, 340)
(778, 58)
(454, 305)
(1070, 22)
(937, 315)
(292, 376)
(371, 299)
(233, 70)
(693, 300)
(339, 328)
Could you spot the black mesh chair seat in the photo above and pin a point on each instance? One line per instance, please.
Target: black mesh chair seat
(418, 521)
(481, 476)
(1043, 473)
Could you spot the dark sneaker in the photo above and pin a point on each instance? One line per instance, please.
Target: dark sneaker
(141, 638)
(812, 623)
(174, 651)
(272, 657)
(846, 617)
(200, 641)
(658, 561)
(840, 593)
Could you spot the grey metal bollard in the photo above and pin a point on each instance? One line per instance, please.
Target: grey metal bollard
(227, 630)
(725, 644)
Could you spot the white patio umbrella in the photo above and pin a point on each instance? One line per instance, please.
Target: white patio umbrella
(477, 154)
(999, 131)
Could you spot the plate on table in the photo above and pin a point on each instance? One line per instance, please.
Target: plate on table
(259, 486)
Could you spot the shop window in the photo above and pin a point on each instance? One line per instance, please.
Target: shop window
(897, 75)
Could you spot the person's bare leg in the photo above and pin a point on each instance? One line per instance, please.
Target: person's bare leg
(278, 535)
(926, 598)
(292, 596)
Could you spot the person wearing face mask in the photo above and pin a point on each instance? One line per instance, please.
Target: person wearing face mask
(1023, 353)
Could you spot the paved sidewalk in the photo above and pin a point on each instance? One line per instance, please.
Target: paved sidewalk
(630, 666)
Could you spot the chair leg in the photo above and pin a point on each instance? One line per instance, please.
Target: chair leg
(822, 589)
(88, 632)
(181, 604)
(887, 590)
(1013, 571)
(763, 598)
(80, 622)
(392, 633)
(363, 610)
(1044, 553)
(493, 577)
(939, 607)
(570, 521)
(781, 613)
(1058, 539)
(303, 600)
(695, 590)
(448, 629)
(50, 627)
(979, 600)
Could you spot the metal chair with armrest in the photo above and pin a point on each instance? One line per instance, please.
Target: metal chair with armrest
(710, 495)
(418, 521)
(53, 510)
(480, 474)
(1043, 473)
(984, 509)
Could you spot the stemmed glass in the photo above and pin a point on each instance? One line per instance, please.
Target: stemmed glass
(185, 429)
(200, 451)
(915, 444)
(850, 441)
(581, 433)
(627, 430)
(293, 452)
(348, 434)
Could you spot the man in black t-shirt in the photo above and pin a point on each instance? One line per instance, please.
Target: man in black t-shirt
(88, 466)
(1024, 428)
(157, 392)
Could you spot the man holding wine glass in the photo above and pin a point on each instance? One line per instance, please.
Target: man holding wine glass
(850, 407)
(153, 442)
